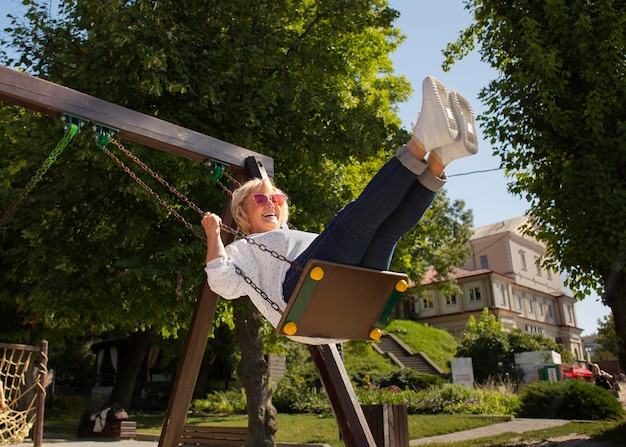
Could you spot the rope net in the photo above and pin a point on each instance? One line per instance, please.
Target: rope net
(20, 376)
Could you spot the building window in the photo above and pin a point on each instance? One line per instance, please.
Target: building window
(451, 300)
(540, 304)
(484, 262)
(531, 307)
(549, 275)
(474, 294)
(502, 292)
(550, 311)
(570, 314)
(522, 257)
(428, 302)
(538, 265)
(520, 304)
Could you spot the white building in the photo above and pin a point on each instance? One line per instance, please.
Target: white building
(503, 275)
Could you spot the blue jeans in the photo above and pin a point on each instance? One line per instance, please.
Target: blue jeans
(366, 231)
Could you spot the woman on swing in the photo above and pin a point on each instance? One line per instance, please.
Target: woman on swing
(364, 233)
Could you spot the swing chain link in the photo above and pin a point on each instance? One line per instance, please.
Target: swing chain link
(258, 290)
(235, 232)
(156, 176)
(70, 132)
(152, 193)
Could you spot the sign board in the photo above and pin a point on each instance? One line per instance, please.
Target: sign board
(463, 371)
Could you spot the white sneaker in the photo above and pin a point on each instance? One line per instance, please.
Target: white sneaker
(467, 144)
(436, 123)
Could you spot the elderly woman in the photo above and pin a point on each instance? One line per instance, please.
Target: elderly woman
(364, 233)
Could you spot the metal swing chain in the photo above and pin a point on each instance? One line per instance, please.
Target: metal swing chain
(237, 233)
(154, 195)
(70, 132)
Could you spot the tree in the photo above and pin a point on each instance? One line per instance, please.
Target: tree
(609, 350)
(556, 119)
(486, 343)
(308, 83)
(493, 348)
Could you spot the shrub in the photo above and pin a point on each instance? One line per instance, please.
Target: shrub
(570, 399)
(457, 399)
(409, 379)
(223, 402)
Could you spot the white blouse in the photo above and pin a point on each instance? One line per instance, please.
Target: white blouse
(263, 269)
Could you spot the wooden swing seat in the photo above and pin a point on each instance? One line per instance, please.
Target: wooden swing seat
(339, 301)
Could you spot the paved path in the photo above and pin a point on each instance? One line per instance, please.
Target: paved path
(517, 425)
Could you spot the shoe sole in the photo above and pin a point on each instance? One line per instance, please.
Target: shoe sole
(468, 123)
(442, 95)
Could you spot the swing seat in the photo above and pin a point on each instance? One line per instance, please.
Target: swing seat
(339, 301)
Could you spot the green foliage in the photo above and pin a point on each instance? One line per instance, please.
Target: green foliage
(607, 340)
(493, 349)
(457, 399)
(555, 117)
(364, 364)
(292, 397)
(445, 399)
(409, 379)
(222, 402)
(437, 344)
(570, 399)
(487, 344)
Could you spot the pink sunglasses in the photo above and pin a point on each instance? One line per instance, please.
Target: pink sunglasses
(262, 200)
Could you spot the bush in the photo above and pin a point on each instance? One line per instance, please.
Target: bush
(457, 399)
(223, 402)
(294, 396)
(570, 399)
(409, 379)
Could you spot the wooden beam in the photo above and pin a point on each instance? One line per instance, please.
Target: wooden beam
(355, 432)
(51, 99)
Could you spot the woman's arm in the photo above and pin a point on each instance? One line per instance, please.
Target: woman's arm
(212, 227)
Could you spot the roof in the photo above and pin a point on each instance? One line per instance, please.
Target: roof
(455, 273)
(505, 226)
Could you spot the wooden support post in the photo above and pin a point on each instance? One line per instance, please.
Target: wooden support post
(199, 329)
(41, 394)
(188, 368)
(350, 418)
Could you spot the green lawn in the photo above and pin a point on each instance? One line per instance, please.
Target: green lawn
(303, 428)
(316, 429)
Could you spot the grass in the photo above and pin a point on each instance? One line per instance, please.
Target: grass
(306, 428)
(437, 344)
(291, 427)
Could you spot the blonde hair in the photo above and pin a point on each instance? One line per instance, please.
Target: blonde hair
(240, 197)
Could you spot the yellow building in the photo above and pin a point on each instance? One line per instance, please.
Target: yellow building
(503, 275)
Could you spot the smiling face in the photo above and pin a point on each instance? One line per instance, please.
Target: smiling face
(263, 218)
(251, 217)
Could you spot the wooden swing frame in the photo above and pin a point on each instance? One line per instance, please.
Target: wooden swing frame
(51, 99)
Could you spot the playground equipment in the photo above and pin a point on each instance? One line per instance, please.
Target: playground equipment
(51, 99)
(23, 372)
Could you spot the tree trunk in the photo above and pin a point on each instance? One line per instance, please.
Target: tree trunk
(615, 297)
(129, 368)
(254, 376)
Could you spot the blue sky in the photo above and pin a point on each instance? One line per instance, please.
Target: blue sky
(429, 26)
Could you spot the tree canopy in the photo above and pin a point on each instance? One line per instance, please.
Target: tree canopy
(310, 84)
(556, 119)
(493, 349)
